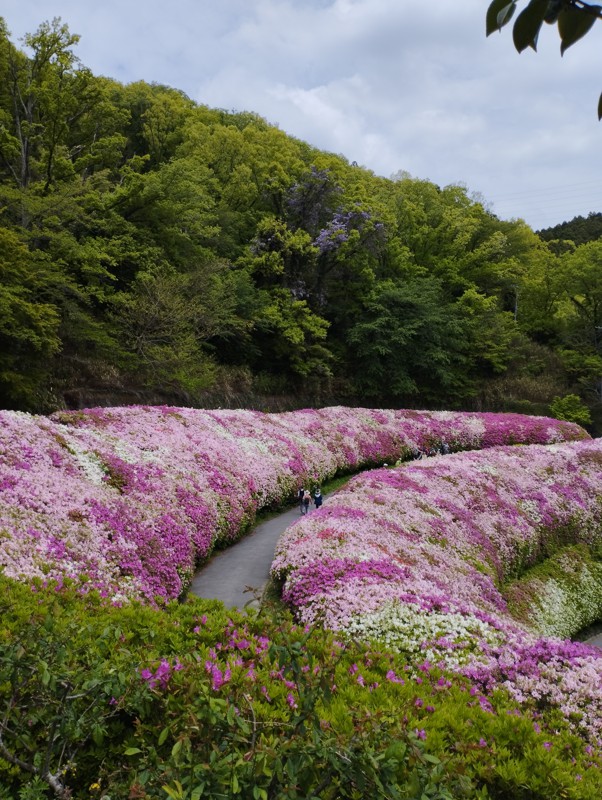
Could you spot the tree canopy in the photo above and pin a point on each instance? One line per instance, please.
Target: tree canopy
(579, 230)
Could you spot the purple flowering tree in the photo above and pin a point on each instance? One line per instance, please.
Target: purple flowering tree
(312, 201)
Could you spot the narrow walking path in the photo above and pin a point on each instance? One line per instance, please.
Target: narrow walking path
(596, 641)
(230, 573)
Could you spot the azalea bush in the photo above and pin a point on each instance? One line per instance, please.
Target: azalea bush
(130, 500)
(192, 701)
(468, 561)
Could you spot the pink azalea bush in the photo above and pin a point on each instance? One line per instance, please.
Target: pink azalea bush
(130, 500)
(427, 558)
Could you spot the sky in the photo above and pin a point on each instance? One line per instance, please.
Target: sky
(395, 85)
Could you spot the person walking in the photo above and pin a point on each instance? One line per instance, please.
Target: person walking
(317, 497)
(306, 502)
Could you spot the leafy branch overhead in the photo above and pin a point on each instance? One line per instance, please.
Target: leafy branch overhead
(573, 18)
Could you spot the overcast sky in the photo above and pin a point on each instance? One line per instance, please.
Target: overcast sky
(392, 84)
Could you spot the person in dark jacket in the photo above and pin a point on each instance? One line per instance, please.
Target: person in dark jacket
(317, 497)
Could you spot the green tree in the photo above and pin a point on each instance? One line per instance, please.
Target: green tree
(409, 343)
(29, 326)
(49, 98)
(288, 334)
(171, 207)
(582, 315)
(570, 408)
(450, 236)
(159, 323)
(289, 340)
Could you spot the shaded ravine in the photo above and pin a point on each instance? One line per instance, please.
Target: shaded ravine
(240, 573)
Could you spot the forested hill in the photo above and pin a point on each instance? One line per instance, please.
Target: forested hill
(578, 230)
(156, 250)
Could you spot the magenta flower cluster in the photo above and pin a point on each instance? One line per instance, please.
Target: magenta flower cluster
(159, 678)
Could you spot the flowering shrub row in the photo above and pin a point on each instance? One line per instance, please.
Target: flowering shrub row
(428, 558)
(131, 499)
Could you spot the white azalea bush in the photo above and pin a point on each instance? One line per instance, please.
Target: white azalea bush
(560, 596)
(407, 628)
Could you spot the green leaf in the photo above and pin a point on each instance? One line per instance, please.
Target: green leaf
(163, 735)
(175, 794)
(97, 735)
(574, 23)
(528, 24)
(176, 748)
(45, 673)
(554, 9)
(131, 751)
(498, 14)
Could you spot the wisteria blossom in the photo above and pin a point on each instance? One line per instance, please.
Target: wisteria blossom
(427, 557)
(130, 500)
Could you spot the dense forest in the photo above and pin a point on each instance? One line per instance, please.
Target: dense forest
(578, 230)
(155, 250)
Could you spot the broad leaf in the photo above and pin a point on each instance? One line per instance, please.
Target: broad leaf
(573, 23)
(498, 14)
(528, 24)
(553, 10)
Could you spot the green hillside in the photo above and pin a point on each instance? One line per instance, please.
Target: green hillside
(156, 250)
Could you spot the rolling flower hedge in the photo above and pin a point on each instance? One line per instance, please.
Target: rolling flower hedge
(130, 500)
(445, 559)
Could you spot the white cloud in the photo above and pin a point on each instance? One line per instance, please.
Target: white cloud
(392, 85)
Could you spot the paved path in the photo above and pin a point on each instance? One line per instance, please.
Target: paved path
(247, 564)
(595, 640)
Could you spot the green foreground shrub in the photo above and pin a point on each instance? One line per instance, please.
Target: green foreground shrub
(191, 701)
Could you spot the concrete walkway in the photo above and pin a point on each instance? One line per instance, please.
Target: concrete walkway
(235, 574)
(596, 640)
